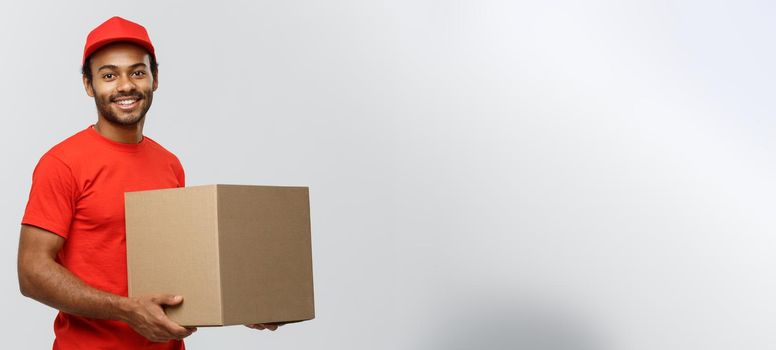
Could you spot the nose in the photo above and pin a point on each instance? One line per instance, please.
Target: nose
(125, 84)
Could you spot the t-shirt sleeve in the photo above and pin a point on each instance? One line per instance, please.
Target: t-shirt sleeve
(180, 173)
(51, 205)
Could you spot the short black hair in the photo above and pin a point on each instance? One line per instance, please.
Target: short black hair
(86, 69)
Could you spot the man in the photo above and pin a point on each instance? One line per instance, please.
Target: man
(72, 252)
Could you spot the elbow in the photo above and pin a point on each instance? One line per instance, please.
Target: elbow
(26, 274)
(24, 290)
(24, 284)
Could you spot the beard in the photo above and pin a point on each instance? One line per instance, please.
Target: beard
(118, 117)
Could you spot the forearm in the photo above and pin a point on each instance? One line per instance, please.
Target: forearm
(42, 278)
(50, 283)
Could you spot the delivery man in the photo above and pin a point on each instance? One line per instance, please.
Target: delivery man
(72, 251)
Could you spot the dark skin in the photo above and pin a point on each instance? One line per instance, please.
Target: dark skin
(120, 71)
(122, 87)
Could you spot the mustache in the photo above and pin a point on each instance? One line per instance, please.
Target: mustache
(137, 95)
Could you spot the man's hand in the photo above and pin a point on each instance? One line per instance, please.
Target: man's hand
(263, 326)
(146, 316)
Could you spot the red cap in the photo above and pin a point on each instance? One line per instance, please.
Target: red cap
(117, 29)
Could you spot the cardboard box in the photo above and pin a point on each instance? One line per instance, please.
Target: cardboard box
(238, 254)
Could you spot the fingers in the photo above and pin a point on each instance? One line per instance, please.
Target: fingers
(174, 329)
(263, 326)
(149, 319)
(168, 330)
(167, 299)
(171, 327)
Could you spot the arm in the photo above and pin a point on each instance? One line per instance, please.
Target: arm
(43, 279)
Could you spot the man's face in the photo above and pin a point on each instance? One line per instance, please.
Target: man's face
(122, 84)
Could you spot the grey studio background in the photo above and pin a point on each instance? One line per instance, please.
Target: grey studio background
(484, 174)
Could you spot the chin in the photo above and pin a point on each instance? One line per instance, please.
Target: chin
(128, 119)
(125, 121)
(131, 122)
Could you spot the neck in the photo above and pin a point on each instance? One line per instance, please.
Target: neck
(120, 133)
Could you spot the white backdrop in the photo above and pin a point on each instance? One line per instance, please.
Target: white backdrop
(483, 174)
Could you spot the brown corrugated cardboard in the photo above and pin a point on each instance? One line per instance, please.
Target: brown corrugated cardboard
(238, 254)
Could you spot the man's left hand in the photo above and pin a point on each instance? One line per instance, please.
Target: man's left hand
(263, 326)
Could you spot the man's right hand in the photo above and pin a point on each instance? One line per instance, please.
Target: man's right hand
(146, 316)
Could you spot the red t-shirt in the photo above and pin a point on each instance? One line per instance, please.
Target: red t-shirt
(78, 193)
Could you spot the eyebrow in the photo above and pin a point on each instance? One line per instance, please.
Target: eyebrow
(111, 66)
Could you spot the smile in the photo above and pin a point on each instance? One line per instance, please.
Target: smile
(126, 103)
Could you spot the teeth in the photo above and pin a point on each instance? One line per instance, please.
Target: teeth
(126, 102)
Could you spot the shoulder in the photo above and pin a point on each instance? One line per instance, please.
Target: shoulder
(59, 164)
(161, 153)
(160, 150)
(71, 148)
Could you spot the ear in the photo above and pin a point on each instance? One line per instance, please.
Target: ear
(155, 85)
(88, 86)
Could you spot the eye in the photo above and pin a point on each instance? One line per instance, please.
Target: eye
(108, 76)
(139, 73)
